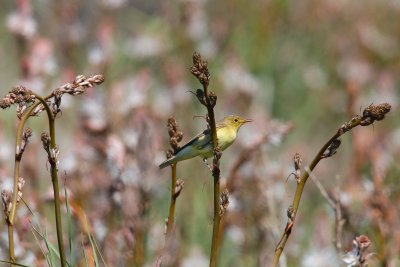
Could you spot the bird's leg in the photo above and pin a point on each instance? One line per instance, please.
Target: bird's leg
(208, 165)
(212, 167)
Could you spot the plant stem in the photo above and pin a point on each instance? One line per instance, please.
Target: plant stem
(10, 218)
(18, 161)
(11, 243)
(82, 82)
(208, 99)
(54, 178)
(171, 214)
(217, 220)
(57, 209)
(216, 176)
(299, 190)
(139, 246)
(21, 125)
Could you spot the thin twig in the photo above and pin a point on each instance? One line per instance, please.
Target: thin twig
(321, 188)
(336, 206)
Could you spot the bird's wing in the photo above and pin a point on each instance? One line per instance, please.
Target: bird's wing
(200, 141)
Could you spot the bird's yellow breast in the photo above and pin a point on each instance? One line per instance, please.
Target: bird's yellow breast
(226, 136)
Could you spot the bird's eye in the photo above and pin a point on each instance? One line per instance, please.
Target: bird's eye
(235, 120)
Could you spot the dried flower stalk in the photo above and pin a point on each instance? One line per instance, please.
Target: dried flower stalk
(370, 114)
(209, 100)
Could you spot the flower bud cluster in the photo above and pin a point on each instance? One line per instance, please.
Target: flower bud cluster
(18, 95)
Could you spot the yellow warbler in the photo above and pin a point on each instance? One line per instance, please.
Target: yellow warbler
(201, 144)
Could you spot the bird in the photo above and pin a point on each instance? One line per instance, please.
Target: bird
(202, 144)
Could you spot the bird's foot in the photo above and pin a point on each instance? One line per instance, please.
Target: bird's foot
(214, 169)
(208, 165)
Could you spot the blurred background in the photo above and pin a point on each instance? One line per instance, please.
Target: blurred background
(298, 69)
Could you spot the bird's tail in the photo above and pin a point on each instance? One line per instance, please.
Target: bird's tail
(168, 162)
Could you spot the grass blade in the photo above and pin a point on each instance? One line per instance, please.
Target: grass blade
(69, 224)
(84, 252)
(14, 263)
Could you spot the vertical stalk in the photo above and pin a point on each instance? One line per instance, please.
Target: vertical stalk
(209, 99)
(171, 214)
(175, 136)
(139, 229)
(18, 161)
(18, 157)
(138, 257)
(216, 176)
(54, 178)
(10, 218)
(11, 243)
(217, 220)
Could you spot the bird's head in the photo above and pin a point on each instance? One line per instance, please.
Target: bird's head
(235, 121)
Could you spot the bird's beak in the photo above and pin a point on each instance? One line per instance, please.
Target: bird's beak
(247, 120)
